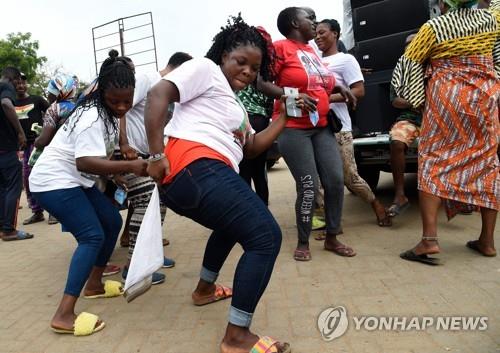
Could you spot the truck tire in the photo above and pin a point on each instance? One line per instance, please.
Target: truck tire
(371, 175)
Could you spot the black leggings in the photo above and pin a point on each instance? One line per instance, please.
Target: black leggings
(255, 168)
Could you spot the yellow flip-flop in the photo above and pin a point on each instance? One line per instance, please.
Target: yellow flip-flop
(111, 289)
(85, 324)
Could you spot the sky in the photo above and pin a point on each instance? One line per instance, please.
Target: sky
(64, 28)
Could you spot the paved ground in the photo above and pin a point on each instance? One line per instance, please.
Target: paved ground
(376, 282)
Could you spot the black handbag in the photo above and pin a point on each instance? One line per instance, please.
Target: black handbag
(334, 122)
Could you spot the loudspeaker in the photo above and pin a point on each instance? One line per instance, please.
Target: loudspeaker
(389, 16)
(358, 3)
(375, 112)
(380, 31)
(378, 77)
(381, 53)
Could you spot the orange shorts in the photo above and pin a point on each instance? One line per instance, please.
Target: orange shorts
(405, 131)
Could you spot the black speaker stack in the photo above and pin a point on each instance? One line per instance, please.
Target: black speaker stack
(380, 31)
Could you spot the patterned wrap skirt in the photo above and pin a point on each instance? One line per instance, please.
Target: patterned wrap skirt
(460, 133)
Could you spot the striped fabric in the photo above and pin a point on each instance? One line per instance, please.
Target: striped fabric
(139, 193)
(460, 132)
(496, 49)
(458, 33)
(495, 5)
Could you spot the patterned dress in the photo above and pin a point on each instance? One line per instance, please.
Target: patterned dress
(495, 5)
(459, 54)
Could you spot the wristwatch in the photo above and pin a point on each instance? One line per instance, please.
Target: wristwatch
(156, 157)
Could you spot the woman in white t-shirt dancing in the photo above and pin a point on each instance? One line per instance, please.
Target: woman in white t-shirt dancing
(207, 138)
(347, 73)
(63, 180)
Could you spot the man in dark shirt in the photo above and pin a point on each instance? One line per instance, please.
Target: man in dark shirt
(30, 110)
(12, 138)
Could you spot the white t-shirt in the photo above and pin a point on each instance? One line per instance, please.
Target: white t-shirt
(313, 45)
(56, 166)
(136, 130)
(208, 111)
(347, 71)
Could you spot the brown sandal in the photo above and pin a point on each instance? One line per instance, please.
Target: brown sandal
(302, 255)
(221, 292)
(342, 250)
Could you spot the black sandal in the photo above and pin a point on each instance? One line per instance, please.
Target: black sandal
(410, 255)
(396, 210)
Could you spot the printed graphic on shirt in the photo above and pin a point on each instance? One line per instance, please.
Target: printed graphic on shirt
(22, 111)
(110, 138)
(318, 77)
(241, 134)
(111, 142)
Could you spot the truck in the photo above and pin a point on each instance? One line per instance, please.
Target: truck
(379, 29)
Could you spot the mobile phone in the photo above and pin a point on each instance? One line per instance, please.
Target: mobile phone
(291, 105)
(314, 117)
(120, 195)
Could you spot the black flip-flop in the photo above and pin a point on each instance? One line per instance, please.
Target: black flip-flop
(472, 244)
(385, 222)
(410, 255)
(396, 210)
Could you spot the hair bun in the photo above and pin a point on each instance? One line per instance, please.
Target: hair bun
(113, 53)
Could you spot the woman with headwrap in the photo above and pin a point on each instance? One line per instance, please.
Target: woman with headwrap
(458, 159)
(61, 90)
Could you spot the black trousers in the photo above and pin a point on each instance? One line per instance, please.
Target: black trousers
(11, 184)
(255, 169)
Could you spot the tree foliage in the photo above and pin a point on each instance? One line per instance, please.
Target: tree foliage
(20, 50)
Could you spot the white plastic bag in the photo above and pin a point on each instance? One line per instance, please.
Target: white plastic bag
(148, 253)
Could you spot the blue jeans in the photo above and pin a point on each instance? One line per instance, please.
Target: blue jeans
(11, 184)
(212, 194)
(94, 222)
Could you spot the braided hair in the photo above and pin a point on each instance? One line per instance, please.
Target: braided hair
(116, 72)
(236, 34)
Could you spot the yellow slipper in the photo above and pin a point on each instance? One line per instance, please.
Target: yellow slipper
(111, 289)
(85, 324)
